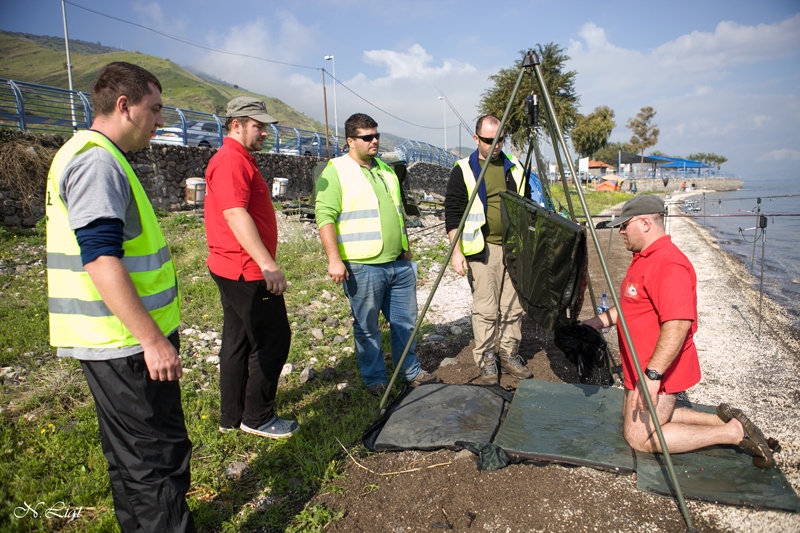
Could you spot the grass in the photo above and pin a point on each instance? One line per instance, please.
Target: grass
(49, 438)
(596, 201)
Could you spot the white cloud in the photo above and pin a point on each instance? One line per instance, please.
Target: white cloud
(759, 120)
(784, 154)
(153, 15)
(414, 63)
(731, 45)
(700, 90)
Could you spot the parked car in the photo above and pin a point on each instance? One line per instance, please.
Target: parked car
(199, 133)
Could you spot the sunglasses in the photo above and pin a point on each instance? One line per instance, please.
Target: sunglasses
(368, 138)
(490, 140)
(624, 226)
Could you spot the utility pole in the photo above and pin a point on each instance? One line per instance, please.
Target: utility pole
(335, 114)
(69, 66)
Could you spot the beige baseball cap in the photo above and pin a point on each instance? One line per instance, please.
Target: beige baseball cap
(247, 106)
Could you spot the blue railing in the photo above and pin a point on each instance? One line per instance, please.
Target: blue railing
(39, 108)
(413, 151)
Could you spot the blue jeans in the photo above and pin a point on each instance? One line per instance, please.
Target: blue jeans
(391, 288)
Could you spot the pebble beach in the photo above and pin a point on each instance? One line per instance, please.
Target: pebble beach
(757, 373)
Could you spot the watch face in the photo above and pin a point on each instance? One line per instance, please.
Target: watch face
(653, 374)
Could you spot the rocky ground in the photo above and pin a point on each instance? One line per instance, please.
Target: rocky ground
(443, 490)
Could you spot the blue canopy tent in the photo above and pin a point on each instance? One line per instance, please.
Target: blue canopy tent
(683, 167)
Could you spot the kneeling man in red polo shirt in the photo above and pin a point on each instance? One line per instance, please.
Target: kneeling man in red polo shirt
(659, 299)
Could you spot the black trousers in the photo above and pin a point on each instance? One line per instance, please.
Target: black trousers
(255, 345)
(145, 442)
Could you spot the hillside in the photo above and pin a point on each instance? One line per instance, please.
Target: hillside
(40, 59)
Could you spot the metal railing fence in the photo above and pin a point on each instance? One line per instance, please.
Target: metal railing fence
(44, 109)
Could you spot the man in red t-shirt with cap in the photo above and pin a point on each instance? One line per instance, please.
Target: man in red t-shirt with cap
(242, 235)
(659, 300)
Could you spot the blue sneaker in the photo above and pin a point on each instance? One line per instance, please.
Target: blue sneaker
(276, 428)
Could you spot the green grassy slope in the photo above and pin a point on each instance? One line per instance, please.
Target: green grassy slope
(38, 60)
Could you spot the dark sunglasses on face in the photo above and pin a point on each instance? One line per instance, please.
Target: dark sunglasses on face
(489, 140)
(368, 138)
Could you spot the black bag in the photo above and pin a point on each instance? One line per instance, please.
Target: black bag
(584, 346)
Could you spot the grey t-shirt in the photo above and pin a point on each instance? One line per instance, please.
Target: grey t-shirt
(94, 185)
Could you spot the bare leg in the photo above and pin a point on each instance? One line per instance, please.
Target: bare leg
(680, 434)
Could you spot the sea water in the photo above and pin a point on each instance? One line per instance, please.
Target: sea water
(782, 245)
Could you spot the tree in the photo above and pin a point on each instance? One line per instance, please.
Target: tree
(645, 134)
(610, 153)
(560, 85)
(591, 132)
(711, 158)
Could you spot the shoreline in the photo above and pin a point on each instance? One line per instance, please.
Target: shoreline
(755, 374)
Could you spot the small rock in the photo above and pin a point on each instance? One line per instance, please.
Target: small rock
(6, 369)
(435, 338)
(30, 417)
(315, 304)
(332, 359)
(456, 330)
(308, 374)
(212, 359)
(435, 267)
(188, 331)
(287, 369)
(328, 373)
(215, 350)
(326, 295)
(313, 360)
(235, 470)
(338, 339)
(463, 454)
(341, 386)
(316, 333)
(449, 361)
(21, 269)
(331, 322)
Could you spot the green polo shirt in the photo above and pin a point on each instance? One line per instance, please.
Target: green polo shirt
(328, 207)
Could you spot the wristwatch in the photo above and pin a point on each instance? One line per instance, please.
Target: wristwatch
(653, 374)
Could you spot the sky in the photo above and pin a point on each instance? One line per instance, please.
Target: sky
(723, 76)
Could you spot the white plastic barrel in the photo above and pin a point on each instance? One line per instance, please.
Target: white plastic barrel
(195, 191)
(279, 187)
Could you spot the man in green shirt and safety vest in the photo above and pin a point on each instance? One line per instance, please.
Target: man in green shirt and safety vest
(359, 211)
(496, 310)
(114, 302)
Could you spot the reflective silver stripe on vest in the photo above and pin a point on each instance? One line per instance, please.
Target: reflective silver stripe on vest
(137, 263)
(475, 217)
(355, 215)
(365, 236)
(471, 236)
(98, 308)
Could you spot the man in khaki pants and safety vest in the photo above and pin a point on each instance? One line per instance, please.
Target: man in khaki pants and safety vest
(114, 302)
(496, 310)
(359, 211)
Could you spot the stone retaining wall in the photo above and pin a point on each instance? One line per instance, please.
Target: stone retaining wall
(657, 184)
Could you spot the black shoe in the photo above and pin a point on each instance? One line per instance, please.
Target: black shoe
(378, 389)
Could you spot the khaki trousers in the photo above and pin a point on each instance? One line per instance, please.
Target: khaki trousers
(496, 310)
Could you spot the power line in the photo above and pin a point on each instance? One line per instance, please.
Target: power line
(204, 47)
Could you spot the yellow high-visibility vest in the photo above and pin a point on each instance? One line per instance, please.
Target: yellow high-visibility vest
(472, 237)
(358, 226)
(78, 315)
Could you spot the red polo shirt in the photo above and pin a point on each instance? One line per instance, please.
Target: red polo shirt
(660, 286)
(233, 180)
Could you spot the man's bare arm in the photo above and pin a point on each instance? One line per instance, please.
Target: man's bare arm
(336, 268)
(116, 288)
(245, 231)
(458, 260)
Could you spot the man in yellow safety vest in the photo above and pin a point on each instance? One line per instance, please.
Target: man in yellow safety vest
(114, 302)
(495, 304)
(359, 211)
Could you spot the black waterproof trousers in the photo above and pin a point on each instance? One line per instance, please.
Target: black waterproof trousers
(144, 439)
(255, 345)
